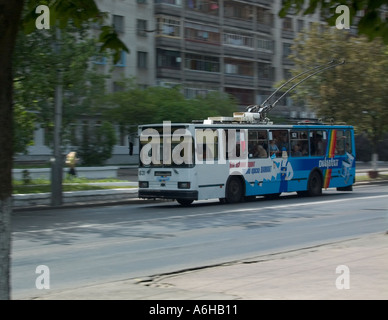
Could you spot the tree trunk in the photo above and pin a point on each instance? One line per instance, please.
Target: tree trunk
(10, 12)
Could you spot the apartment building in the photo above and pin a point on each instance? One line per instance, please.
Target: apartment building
(238, 47)
(134, 22)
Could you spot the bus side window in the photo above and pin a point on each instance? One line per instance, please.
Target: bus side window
(207, 144)
(348, 142)
(318, 142)
(278, 142)
(257, 144)
(299, 144)
(340, 143)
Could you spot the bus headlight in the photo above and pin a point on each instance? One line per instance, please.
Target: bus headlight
(183, 185)
(143, 184)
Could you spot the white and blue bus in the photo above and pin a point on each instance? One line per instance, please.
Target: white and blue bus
(232, 160)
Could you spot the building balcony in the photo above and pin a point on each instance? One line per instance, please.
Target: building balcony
(265, 28)
(238, 23)
(201, 17)
(170, 42)
(202, 46)
(167, 9)
(168, 73)
(239, 52)
(202, 76)
(240, 81)
(265, 83)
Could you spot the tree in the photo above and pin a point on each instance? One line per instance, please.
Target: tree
(134, 106)
(23, 128)
(97, 144)
(61, 12)
(34, 75)
(370, 23)
(355, 92)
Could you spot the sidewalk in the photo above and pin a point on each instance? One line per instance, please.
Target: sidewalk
(304, 274)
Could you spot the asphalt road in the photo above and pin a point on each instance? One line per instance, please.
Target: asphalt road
(98, 244)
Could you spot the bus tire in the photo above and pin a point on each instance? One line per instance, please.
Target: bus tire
(184, 202)
(234, 190)
(314, 186)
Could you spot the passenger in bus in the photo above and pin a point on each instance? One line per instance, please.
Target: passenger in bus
(317, 145)
(296, 151)
(273, 148)
(305, 149)
(284, 142)
(259, 152)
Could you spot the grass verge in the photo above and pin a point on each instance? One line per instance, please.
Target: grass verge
(74, 184)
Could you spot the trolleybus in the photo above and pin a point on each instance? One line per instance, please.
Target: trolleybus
(241, 157)
(234, 162)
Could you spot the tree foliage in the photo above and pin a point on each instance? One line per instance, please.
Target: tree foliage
(134, 106)
(36, 62)
(355, 92)
(371, 23)
(97, 144)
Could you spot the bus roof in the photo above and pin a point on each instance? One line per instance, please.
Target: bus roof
(250, 126)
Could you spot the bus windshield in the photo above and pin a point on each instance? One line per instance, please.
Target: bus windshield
(166, 147)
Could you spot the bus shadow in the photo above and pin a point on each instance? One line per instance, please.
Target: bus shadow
(261, 199)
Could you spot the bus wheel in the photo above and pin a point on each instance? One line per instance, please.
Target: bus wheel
(234, 190)
(184, 202)
(314, 184)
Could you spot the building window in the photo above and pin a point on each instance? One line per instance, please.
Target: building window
(264, 16)
(244, 97)
(167, 26)
(265, 45)
(202, 63)
(287, 24)
(265, 71)
(200, 32)
(168, 59)
(204, 6)
(238, 67)
(141, 27)
(286, 50)
(142, 60)
(171, 2)
(237, 10)
(118, 23)
(300, 25)
(121, 62)
(238, 39)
